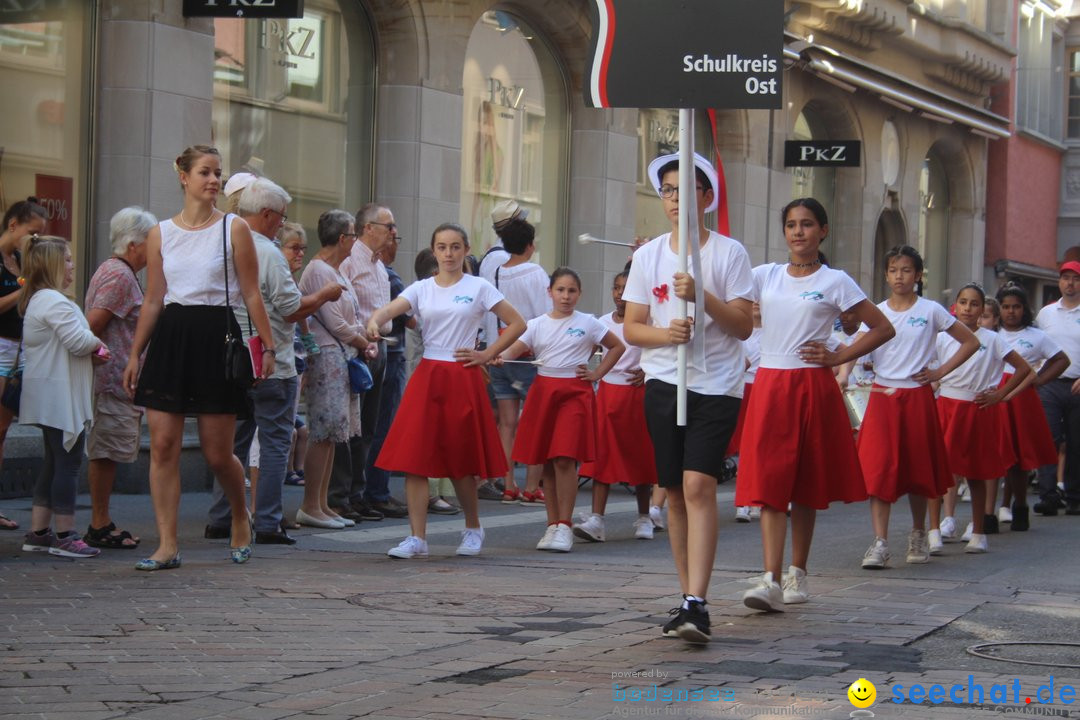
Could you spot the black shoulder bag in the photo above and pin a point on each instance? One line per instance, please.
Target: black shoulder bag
(238, 369)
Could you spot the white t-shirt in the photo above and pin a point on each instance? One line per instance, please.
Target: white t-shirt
(798, 310)
(494, 258)
(752, 353)
(525, 287)
(630, 360)
(451, 316)
(1030, 343)
(982, 371)
(912, 349)
(1063, 325)
(726, 267)
(562, 344)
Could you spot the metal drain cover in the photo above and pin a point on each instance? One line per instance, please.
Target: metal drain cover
(1050, 654)
(451, 604)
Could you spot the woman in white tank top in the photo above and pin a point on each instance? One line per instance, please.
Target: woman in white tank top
(183, 320)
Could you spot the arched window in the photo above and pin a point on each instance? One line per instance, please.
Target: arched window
(816, 182)
(514, 133)
(933, 237)
(294, 100)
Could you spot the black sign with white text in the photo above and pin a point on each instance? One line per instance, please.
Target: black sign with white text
(244, 8)
(686, 54)
(822, 153)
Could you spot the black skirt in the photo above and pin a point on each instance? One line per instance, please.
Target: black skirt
(184, 371)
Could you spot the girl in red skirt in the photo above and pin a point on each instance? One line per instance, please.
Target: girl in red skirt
(900, 447)
(558, 427)
(790, 450)
(624, 450)
(975, 423)
(1033, 442)
(444, 426)
(752, 353)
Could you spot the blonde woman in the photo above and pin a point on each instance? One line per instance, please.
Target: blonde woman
(57, 385)
(197, 265)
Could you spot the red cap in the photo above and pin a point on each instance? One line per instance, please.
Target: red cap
(1072, 265)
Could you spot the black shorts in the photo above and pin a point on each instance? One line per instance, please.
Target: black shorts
(701, 445)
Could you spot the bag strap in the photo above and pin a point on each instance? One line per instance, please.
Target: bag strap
(315, 317)
(15, 367)
(225, 267)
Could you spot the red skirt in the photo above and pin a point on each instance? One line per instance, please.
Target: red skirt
(1032, 440)
(733, 444)
(979, 440)
(444, 426)
(900, 446)
(624, 450)
(791, 450)
(559, 420)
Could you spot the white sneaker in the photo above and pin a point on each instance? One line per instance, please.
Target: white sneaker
(563, 541)
(765, 595)
(472, 540)
(877, 555)
(643, 528)
(755, 512)
(967, 532)
(977, 544)
(918, 549)
(1004, 515)
(549, 535)
(963, 493)
(948, 529)
(933, 540)
(410, 547)
(656, 514)
(590, 527)
(742, 514)
(796, 589)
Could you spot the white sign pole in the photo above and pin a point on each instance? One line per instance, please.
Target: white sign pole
(686, 193)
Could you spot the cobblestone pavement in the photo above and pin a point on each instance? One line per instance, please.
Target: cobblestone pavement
(333, 629)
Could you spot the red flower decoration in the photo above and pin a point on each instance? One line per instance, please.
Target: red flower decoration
(660, 292)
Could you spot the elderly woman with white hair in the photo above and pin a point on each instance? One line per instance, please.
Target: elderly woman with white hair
(112, 306)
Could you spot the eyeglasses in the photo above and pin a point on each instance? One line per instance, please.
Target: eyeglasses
(389, 226)
(669, 191)
(296, 248)
(283, 216)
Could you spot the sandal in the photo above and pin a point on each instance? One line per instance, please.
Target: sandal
(103, 537)
(7, 523)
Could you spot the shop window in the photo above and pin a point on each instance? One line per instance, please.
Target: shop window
(658, 134)
(294, 101)
(44, 129)
(933, 235)
(515, 125)
(1073, 91)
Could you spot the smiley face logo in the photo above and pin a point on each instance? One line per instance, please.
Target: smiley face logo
(862, 693)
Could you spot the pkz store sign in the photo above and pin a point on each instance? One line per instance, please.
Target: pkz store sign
(244, 8)
(822, 153)
(686, 54)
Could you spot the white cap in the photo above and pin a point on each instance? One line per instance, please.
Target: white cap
(237, 182)
(699, 162)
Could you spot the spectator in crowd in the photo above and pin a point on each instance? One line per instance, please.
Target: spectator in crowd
(355, 492)
(57, 386)
(393, 384)
(262, 205)
(24, 218)
(199, 263)
(333, 411)
(113, 301)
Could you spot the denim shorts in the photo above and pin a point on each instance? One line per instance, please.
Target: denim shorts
(512, 381)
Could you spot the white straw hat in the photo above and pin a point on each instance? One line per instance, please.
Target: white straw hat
(699, 162)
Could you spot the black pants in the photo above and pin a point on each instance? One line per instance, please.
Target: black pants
(1062, 409)
(347, 477)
